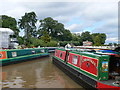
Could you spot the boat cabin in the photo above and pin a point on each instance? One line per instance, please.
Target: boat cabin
(100, 66)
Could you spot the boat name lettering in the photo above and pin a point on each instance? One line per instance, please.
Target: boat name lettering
(90, 60)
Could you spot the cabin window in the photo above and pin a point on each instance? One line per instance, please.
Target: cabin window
(61, 54)
(33, 52)
(75, 59)
(14, 54)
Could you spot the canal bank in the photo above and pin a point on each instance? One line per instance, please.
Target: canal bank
(38, 73)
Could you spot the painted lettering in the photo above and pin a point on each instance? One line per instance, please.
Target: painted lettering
(89, 60)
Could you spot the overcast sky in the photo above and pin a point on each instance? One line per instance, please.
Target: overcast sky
(77, 16)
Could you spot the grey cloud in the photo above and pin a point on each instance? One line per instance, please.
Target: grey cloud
(111, 31)
(89, 12)
(100, 11)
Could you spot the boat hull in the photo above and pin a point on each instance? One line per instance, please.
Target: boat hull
(81, 79)
(21, 59)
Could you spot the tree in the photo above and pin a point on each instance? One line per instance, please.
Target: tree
(27, 23)
(46, 38)
(110, 44)
(34, 42)
(115, 44)
(10, 22)
(58, 30)
(48, 25)
(20, 40)
(65, 36)
(117, 49)
(86, 36)
(102, 37)
(97, 41)
(55, 29)
(75, 37)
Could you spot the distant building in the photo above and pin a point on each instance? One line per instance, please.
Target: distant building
(13, 43)
(69, 45)
(87, 43)
(5, 41)
(4, 37)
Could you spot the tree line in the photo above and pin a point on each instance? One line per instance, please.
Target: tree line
(49, 32)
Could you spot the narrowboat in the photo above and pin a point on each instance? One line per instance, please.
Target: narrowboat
(15, 55)
(89, 68)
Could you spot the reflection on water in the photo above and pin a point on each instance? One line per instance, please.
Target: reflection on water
(14, 83)
(40, 73)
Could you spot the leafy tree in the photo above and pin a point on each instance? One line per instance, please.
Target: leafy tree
(27, 23)
(63, 43)
(115, 44)
(20, 40)
(102, 37)
(34, 42)
(48, 25)
(52, 43)
(97, 41)
(58, 30)
(46, 38)
(75, 37)
(65, 36)
(55, 29)
(86, 36)
(117, 49)
(10, 22)
(0, 21)
(110, 44)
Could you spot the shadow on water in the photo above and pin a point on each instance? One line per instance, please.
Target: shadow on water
(38, 73)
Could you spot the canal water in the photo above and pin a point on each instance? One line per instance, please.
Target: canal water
(38, 73)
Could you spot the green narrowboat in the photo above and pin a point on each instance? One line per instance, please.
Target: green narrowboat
(89, 68)
(14, 55)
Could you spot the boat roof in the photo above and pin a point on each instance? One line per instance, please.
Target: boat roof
(21, 49)
(91, 51)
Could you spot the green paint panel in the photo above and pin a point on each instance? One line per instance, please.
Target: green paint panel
(61, 49)
(102, 59)
(22, 54)
(27, 57)
(103, 71)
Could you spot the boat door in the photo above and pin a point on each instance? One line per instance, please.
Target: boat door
(114, 67)
(66, 56)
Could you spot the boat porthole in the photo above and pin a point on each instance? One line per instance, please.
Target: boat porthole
(0, 55)
(88, 64)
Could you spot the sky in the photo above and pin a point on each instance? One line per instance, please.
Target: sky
(95, 16)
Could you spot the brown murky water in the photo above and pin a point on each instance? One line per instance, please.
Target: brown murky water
(38, 73)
